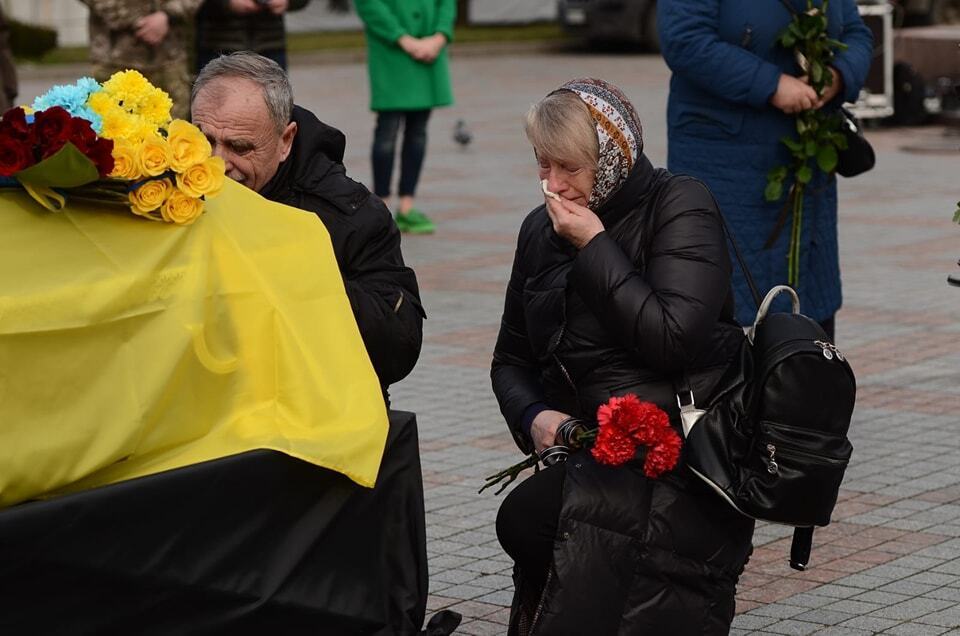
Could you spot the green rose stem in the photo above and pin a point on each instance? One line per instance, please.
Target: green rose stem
(818, 133)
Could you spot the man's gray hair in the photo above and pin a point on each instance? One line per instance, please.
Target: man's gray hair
(272, 79)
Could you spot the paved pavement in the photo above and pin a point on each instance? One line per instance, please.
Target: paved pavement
(890, 562)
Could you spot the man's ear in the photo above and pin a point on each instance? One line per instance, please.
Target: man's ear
(286, 140)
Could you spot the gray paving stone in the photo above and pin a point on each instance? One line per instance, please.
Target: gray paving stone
(793, 628)
(912, 608)
(914, 629)
(752, 622)
(778, 610)
(823, 616)
(856, 608)
(871, 624)
(880, 597)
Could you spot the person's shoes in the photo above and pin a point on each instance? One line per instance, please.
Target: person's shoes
(414, 222)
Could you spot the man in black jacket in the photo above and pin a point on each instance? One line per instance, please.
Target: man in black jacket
(243, 103)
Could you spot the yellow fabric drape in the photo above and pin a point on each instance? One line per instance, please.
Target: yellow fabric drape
(129, 347)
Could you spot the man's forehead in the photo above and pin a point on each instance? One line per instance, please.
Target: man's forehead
(231, 104)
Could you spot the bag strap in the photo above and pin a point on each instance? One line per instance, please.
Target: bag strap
(754, 291)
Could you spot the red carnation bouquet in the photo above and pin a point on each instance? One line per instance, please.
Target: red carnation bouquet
(625, 426)
(51, 149)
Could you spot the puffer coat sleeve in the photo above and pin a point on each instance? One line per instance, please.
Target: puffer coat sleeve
(515, 372)
(666, 314)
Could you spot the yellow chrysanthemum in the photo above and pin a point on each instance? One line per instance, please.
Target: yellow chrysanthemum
(142, 130)
(118, 124)
(128, 87)
(101, 103)
(155, 107)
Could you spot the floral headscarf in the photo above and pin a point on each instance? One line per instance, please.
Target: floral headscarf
(618, 131)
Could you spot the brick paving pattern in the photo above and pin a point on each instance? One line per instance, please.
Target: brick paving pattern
(890, 562)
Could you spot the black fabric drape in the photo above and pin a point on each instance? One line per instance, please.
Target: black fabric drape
(255, 543)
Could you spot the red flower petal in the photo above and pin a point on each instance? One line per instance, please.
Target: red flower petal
(613, 448)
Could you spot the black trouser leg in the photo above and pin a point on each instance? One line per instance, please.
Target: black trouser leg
(527, 523)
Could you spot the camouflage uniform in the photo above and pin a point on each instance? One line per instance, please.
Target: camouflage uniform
(114, 45)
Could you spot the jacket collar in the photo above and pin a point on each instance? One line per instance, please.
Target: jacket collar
(635, 189)
(316, 148)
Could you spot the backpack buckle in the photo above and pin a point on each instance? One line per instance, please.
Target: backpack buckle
(689, 413)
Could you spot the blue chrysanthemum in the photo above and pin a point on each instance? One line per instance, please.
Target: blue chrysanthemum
(72, 98)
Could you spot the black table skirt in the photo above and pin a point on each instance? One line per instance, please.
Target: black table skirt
(254, 543)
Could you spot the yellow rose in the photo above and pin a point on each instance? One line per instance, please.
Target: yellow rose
(125, 165)
(181, 209)
(150, 195)
(203, 179)
(154, 155)
(188, 146)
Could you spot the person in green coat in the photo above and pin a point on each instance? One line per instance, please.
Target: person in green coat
(409, 77)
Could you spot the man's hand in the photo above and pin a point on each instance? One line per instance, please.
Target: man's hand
(544, 428)
(244, 7)
(793, 95)
(153, 28)
(573, 222)
(278, 7)
(831, 91)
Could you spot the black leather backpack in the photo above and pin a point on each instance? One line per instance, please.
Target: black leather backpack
(773, 439)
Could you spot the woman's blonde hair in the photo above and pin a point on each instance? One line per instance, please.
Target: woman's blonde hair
(560, 128)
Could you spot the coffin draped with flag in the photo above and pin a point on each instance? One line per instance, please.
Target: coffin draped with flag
(192, 437)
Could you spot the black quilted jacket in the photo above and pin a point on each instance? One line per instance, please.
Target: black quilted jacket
(644, 300)
(383, 291)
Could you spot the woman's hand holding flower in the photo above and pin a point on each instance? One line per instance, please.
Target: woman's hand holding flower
(544, 428)
(572, 221)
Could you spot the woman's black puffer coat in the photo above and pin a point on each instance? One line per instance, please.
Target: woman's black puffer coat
(646, 303)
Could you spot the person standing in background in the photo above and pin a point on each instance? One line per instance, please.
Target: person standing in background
(8, 71)
(734, 95)
(409, 76)
(228, 26)
(150, 37)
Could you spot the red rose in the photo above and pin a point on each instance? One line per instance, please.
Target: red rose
(15, 155)
(82, 135)
(51, 127)
(101, 154)
(14, 124)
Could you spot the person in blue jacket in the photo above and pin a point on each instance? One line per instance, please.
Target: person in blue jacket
(733, 95)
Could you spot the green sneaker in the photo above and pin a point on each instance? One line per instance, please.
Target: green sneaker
(415, 222)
